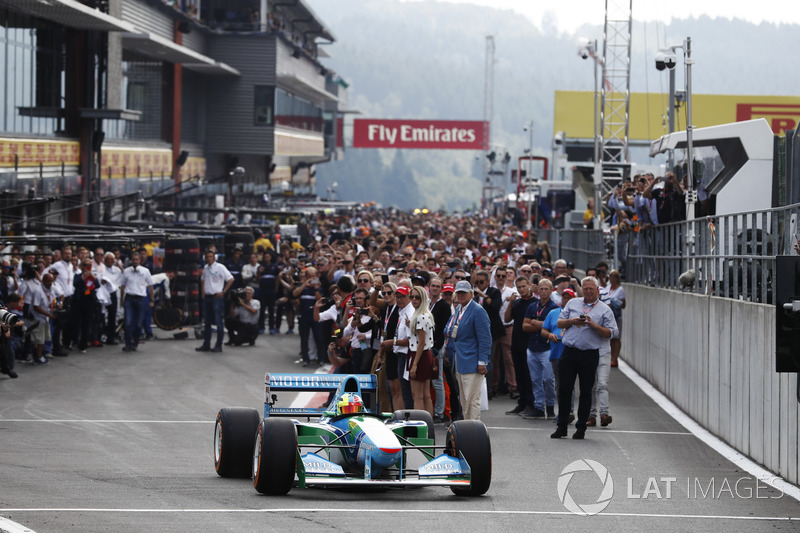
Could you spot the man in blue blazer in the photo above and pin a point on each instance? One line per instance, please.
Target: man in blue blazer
(470, 331)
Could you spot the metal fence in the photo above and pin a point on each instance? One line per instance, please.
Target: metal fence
(584, 247)
(730, 256)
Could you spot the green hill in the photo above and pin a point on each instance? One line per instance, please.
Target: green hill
(426, 60)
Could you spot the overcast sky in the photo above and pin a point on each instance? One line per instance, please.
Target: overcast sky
(571, 14)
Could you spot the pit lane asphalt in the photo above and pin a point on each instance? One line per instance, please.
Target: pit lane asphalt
(111, 441)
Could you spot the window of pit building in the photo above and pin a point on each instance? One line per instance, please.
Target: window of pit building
(264, 105)
(296, 112)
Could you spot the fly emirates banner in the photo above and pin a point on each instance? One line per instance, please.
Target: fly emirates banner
(429, 134)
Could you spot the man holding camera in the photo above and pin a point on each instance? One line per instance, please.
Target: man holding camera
(243, 323)
(586, 322)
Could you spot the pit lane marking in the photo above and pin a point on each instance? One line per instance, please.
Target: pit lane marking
(715, 443)
(599, 432)
(397, 511)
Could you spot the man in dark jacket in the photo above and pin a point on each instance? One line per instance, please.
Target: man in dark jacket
(491, 299)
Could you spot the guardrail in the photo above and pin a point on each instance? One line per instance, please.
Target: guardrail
(730, 256)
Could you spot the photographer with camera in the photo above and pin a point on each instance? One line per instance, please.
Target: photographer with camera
(359, 340)
(243, 323)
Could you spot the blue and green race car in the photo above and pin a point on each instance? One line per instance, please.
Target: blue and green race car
(348, 443)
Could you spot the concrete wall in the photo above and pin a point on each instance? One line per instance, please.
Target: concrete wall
(715, 359)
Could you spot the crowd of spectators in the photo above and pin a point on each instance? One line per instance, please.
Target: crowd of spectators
(374, 295)
(72, 299)
(391, 295)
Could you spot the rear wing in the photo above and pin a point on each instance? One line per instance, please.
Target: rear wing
(365, 385)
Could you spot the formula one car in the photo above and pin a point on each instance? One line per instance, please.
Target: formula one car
(349, 443)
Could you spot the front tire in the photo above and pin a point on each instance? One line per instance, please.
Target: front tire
(274, 456)
(471, 438)
(233, 440)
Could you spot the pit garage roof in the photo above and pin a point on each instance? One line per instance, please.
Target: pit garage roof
(165, 50)
(70, 13)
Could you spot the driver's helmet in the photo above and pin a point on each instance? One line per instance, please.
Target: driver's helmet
(349, 403)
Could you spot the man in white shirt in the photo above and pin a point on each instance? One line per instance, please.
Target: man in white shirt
(110, 280)
(502, 353)
(65, 274)
(215, 282)
(135, 286)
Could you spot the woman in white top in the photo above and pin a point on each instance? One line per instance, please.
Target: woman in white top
(420, 357)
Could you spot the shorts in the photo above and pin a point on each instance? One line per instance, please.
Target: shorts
(424, 366)
(41, 333)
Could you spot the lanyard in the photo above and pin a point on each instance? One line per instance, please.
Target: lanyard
(461, 314)
(386, 321)
(587, 310)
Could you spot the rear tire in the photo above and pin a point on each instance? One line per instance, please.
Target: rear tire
(274, 456)
(471, 438)
(416, 414)
(233, 440)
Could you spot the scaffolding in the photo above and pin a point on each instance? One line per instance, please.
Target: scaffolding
(615, 92)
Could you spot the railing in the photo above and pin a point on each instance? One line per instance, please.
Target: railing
(584, 247)
(730, 256)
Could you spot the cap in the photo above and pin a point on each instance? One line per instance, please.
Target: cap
(419, 279)
(463, 286)
(570, 292)
(570, 264)
(548, 272)
(448, 288)
(405, 291)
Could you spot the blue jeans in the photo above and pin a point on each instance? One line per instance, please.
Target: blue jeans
(542, 379)
(438, 385)
(135, 308)
(213, 314)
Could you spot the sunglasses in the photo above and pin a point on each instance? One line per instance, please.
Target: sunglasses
(460, 278)
(500, 277)
(416, 297)
(387, 293)
(365, 280)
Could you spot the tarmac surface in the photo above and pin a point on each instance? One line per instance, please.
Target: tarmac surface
(114, 441)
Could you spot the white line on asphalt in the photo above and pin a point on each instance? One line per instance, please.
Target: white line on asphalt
(403, 511)
(597, 432)
(85, 421)
(737, 458)
(8, 526)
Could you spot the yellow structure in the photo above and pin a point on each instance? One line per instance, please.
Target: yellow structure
(574, 112)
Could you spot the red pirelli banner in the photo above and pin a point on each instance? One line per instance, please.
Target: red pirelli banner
(427, 134)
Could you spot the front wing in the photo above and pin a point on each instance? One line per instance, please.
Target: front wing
(313, 470)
